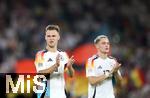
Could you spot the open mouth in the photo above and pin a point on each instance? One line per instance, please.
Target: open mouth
(107, 48)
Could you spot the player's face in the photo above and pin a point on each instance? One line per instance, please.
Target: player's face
(52, 37)
(103, 45)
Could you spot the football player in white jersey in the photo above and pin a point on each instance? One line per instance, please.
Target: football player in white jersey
(54, 62)
(99, 70)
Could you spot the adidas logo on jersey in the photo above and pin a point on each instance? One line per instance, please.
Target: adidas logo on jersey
(99, 67)
(50, 60)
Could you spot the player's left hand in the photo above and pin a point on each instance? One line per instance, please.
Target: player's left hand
(116, 67)
(70, 61)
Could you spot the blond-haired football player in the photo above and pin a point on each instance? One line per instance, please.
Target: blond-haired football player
(99, 70)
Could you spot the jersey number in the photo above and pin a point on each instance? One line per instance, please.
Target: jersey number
(56, 70)
(106, 71)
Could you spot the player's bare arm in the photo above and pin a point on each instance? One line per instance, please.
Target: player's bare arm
(93, 80)
(118, 78)
(52, 68)
(96, 80)
(70, 70)
(116, 73)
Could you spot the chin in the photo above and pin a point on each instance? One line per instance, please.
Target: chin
(51, 46)
(106, 52)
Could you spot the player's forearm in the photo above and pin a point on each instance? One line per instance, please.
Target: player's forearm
(93, 80)
(49, 70)
(70, 71)
(118, 78)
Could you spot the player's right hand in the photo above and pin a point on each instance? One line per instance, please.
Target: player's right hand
(58, 60)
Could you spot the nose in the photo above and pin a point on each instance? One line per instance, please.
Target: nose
(107, 45)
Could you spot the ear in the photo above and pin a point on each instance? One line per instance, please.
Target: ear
(58, 37)
(96, 45)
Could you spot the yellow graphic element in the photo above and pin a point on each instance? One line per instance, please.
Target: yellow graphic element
(39, 58)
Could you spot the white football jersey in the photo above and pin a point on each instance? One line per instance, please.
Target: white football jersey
(96, 66)
(56, 83)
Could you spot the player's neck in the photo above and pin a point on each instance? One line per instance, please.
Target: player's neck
(102, 55)
(51, 49)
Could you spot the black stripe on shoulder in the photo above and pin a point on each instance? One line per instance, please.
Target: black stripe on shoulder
(60, 50)
(111, 57)
(95, 57)
(45, 50)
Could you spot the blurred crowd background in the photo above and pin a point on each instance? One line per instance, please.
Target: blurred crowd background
(125, 22)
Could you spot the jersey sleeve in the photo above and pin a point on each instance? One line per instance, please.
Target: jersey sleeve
(39, 62)
(90, 68)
